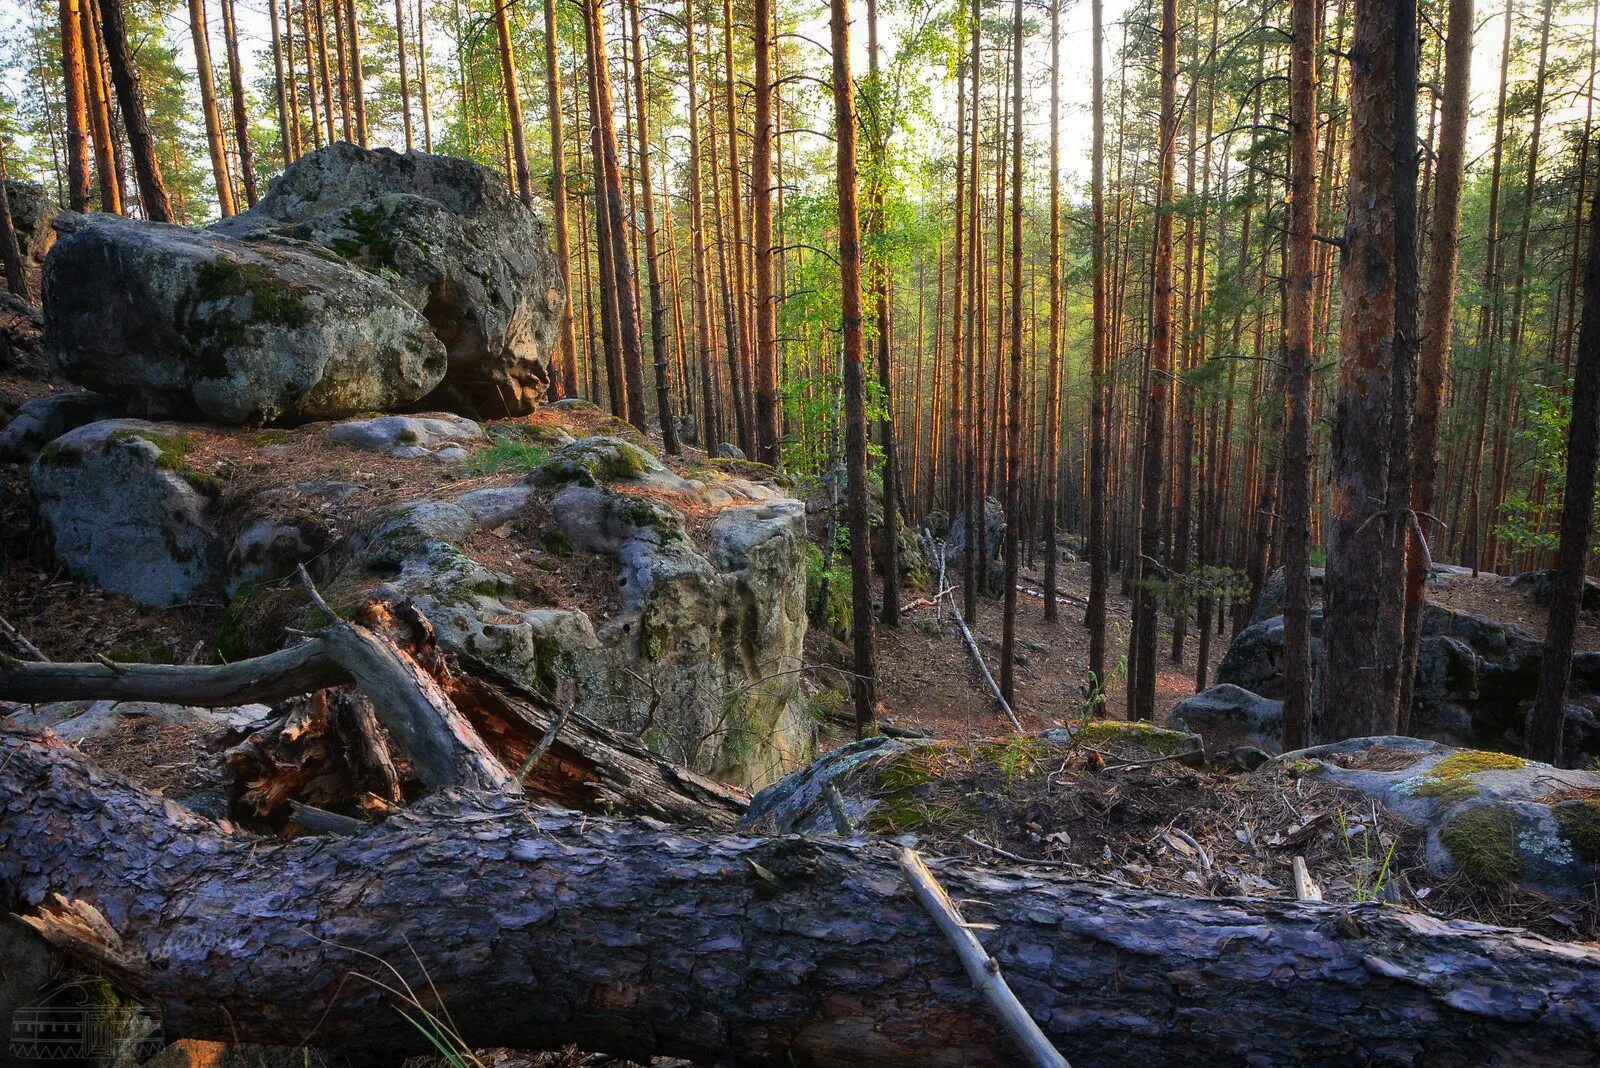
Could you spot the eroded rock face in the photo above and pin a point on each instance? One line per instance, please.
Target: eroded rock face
(1496, 819)
(179, 322)
(447, 238)
(124, 511)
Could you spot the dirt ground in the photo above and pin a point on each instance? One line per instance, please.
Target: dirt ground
(927, 677)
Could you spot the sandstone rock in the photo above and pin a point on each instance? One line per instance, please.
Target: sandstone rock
(726, 450)
(442, 436)
(1539, 585)
(124, 510)
(183, 323)
(44, 419)
(1498, 820)
(446, 237)
(1228, 717)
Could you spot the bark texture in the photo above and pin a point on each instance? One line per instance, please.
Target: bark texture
(543, 928)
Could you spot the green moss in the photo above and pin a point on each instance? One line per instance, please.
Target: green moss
(1017, 757)
(647, 515)
(1142, 737)
(56, 454)
(1450, 779)
(369, 242)
(1580, 822)
(1483, 843)
(230, 321)
(914, 767)
(555, 542)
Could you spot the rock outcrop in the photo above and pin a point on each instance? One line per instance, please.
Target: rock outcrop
(699, 654)
(181, 323)
(1475, 681)
(32, 212)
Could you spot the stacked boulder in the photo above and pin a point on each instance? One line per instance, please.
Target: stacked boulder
(363, 280)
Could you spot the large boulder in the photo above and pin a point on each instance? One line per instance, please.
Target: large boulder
(1495, 819)
(180, 322)
(446, 237)
(124, 510)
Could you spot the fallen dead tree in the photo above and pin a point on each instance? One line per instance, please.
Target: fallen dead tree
(540, 928)
(460, 729)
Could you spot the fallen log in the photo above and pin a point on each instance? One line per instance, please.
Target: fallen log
(456, 728)
(541, 928)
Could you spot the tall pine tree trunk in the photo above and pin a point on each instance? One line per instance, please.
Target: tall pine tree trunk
(130, 98)
(241, 119)
(863, 681)
(76, 100)
(1305, 18)
(1356, 699)
(658, 311)
(513, 99)
(1099, 552)
(766, 338)
(558, 195)
(1548, 715)
(215, 140)
(1147, 595)
(1013, 443)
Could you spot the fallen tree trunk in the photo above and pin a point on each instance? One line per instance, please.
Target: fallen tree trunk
(544, 928)
(457, 729)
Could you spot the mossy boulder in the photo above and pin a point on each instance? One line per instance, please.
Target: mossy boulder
(184, 323)
(126, 511)
(38, 422)
(445, 236)
(1493, 818)
(440, 435)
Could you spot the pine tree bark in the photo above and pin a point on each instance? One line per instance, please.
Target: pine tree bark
(513, 100)
(405, 71)
(241, 119)
(754, 952)
(1548, 715)
(141, 142)
(621, 260)
(864, 679)
(710, 393)
(286, 141)
(1052, 433)
(658, 310)
(10, 248)
(358, 80)
(1099, 551)
(76, 103)
(216, 142)
(1013, 442)
(558, 193)
(1147, 597)
(883, 340)
(767, 434)
(1356, 699)
(105, 145)
(1300, 266)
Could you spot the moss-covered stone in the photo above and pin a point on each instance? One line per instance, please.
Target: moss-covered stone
(1580, 822)
(1135, 736)
(1450, 779)
(595, 460)
(1483, 843)
(271, 303)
